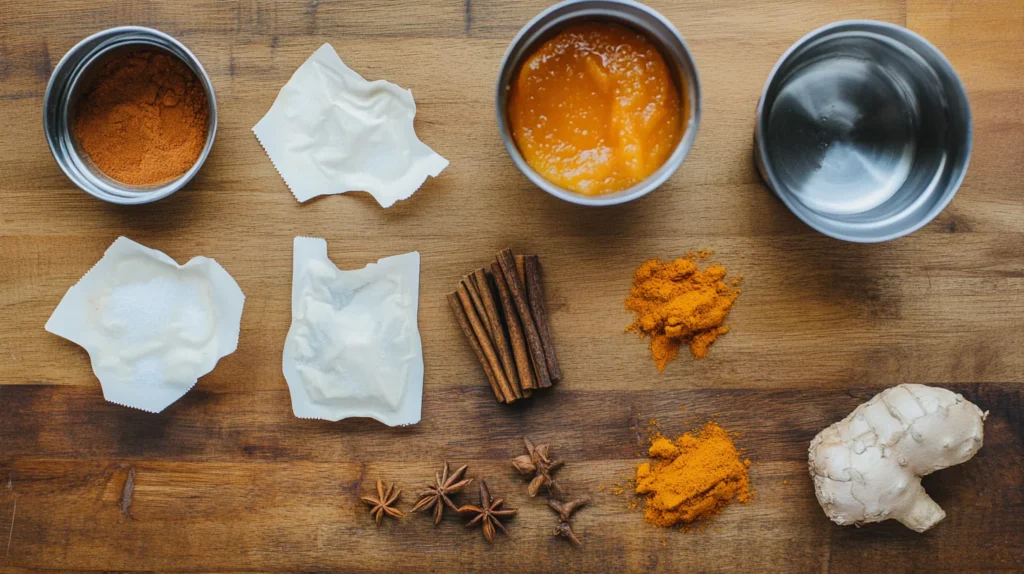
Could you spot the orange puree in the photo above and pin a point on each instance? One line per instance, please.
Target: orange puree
(594, 110)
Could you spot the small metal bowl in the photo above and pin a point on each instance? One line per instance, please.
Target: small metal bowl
(863, 131)
(73, 73)
(626, 13)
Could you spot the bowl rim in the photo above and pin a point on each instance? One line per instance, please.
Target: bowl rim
(56, 122)
(667, 169)
(798, 208)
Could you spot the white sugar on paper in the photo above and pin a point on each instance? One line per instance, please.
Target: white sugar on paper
(331, 131)
(151, 327)
(353, 349)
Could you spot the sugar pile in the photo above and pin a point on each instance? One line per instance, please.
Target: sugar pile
(162, 315)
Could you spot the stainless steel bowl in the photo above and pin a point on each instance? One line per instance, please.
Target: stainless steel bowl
(627, 13)
(864, 131)
(74, 72)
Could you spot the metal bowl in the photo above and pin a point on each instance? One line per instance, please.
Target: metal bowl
(626, 13)
(864, 131)
(73, 72)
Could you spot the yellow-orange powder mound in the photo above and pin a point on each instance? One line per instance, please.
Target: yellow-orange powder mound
(693, 477)
(677, 303)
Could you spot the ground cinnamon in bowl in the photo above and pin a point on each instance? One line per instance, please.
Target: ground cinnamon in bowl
(143, 118)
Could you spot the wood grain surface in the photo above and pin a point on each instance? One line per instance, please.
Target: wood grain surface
(227, 479)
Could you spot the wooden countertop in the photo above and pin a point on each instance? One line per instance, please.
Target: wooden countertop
(227, 479)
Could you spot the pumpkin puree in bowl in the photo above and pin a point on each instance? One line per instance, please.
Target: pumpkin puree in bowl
(595, 109)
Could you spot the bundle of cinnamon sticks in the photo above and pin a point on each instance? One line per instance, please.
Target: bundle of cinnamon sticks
(501, 310)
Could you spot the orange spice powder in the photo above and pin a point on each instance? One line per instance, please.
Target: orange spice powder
(693, 477)
(143, 119)
(677, 303)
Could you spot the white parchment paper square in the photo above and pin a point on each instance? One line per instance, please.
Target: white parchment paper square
(356, 390)
(125, 379)
(330, 131)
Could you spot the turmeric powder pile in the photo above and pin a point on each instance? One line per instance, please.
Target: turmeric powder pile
(676, 303)
(692, 478)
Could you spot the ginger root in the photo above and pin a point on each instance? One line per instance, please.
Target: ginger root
(868, 467)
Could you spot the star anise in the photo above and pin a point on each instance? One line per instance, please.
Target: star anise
(565, 510)
(489, 513)
(536, 462)
(436, 496)
(381, 504)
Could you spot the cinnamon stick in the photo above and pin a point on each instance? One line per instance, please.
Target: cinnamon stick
(478, 304)
(540, 316)
(518, 291)
(498, 336)
(460, 316)
(515, 330)
(491, 321)
(485, 343)
(521, 268)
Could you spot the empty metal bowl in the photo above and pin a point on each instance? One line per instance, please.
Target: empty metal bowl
(69, 78)
(627, 13)
(863, 131)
